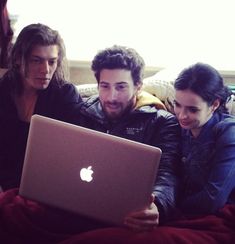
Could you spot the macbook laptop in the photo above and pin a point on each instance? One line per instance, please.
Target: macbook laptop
(90, 173)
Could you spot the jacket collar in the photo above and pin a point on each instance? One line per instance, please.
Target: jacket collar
(146, 103)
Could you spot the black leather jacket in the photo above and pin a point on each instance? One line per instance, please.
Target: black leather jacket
(147, 125)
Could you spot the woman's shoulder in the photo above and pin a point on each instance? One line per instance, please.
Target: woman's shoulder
(226, 120)
(225, 125)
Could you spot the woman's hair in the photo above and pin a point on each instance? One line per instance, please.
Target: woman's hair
(206, 82)
(119, 57)
(28, 38)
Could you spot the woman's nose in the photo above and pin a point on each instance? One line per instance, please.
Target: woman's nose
(183, 114)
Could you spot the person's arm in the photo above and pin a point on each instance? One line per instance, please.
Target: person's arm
(221, 180)
(69, 104)
(166, 189)
(164, 133)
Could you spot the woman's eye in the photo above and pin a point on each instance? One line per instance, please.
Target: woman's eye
(193, 110)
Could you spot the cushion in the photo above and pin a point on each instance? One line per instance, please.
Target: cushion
(161, 83)
(87, 90)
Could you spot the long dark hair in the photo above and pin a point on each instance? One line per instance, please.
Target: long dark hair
(28, 38)
(206, 82)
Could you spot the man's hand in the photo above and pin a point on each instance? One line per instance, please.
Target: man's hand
(144, 220)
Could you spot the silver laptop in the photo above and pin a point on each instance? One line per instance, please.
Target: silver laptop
(90, 173)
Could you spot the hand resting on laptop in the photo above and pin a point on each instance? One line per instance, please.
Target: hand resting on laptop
(145, 219)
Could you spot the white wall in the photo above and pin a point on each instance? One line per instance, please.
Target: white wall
(164, 32)
(80, 73)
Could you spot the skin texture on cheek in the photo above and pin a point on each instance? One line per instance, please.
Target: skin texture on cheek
(117, 92)
(192, 111)
(40, 68)
(120, 110)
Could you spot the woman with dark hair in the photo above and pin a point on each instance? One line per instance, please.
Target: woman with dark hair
(208, 140)
(34, 84)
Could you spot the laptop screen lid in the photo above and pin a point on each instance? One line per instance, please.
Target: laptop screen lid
(90, 173)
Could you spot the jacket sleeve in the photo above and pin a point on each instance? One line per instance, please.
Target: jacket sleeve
(69, 102)
(166, 189)
(221, 180)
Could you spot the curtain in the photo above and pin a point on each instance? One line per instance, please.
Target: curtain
(6, 35)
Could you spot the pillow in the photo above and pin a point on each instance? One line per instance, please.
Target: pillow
(168, 74)
(231, 105)
(162, 89)
(161, 85)
(87, 90)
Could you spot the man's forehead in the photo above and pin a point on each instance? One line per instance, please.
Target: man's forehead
(117, 82)
(116, 76)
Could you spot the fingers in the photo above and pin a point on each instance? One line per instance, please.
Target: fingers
(140, 224)
(144, 214)
(150, 212)
(152, 198)
(144, 220)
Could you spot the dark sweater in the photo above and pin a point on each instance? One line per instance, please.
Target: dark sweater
(55, 102)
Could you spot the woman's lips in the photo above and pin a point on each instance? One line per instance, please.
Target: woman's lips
(185, 123)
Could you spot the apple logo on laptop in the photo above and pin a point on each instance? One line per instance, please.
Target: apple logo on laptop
(86, 174)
